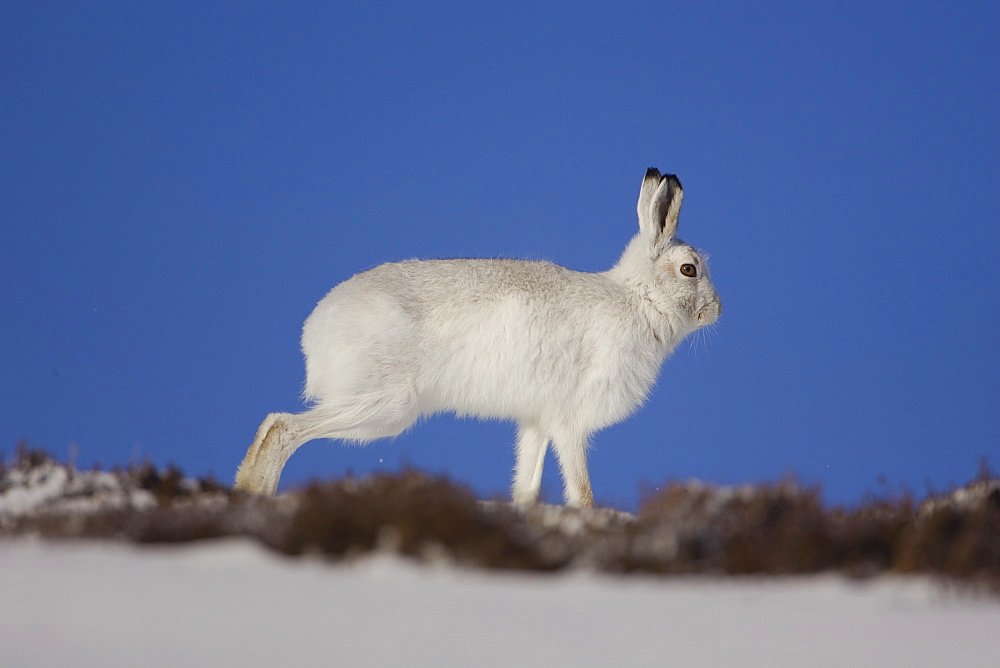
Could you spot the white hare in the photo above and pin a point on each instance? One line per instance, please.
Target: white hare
(562, 353)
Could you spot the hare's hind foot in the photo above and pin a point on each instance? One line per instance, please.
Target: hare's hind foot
(260, 470)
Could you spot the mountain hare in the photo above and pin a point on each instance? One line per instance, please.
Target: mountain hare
(562, 353)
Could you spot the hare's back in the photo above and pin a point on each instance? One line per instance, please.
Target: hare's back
(401, 305)
(478, 303)
(427, 287)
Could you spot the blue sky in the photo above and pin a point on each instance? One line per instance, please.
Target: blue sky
(182, 182)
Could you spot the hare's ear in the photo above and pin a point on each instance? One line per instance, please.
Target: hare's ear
(649, 184)
(659, 204)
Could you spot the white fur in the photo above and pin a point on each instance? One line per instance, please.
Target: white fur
(562, 353)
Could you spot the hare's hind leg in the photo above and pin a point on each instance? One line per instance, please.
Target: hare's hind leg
(261, 468)
(571, 452)
(362, 418)
(531, 446)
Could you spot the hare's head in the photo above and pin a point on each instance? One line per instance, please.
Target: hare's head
(673, 274)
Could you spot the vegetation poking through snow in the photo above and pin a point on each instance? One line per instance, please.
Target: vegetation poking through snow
(687, 528)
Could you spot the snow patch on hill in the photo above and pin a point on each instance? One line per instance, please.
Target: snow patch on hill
(231, 602)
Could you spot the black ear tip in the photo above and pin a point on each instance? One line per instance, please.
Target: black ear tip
(676, 182)
(653, 173)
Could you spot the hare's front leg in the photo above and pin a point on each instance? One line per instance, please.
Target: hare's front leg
(571, 451)
(531, 445)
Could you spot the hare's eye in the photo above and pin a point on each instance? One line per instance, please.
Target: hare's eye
(689, 270)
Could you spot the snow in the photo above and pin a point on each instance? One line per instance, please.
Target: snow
(55, 487)
(231, 602)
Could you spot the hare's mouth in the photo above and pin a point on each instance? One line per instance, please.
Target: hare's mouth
(709, 314)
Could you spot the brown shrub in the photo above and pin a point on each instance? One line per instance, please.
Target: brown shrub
(412, 514)
(688, 528)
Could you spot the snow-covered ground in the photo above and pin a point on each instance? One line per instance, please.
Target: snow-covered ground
(230, 602)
